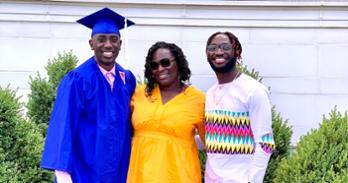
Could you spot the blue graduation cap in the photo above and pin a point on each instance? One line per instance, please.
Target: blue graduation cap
(104, 21)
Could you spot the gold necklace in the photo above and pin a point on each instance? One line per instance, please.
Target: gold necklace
(217, 101)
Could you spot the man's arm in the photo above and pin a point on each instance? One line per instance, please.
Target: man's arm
(261, 124)
(63, 125)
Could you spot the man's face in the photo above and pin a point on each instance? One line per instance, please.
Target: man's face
(106, 48)
(220, 54)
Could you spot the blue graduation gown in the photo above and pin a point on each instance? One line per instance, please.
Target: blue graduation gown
(89, 134)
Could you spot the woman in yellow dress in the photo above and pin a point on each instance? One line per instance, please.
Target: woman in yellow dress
(166, 112)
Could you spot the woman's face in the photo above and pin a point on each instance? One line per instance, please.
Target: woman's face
(164, 68)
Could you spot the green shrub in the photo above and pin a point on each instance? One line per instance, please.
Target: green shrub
(21, 143)
(9, 117)
(202, 158)
(282, 136)
(43, 91)
(59, 67)
(40, 101)
(281, 133)
(8, 171)
(9, 109)
(321, 155)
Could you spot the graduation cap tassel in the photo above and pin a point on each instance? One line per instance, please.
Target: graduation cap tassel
(125, 43)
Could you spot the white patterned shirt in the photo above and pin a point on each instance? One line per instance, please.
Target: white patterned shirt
(239, 139)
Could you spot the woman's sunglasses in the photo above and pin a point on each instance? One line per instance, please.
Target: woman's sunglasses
(165, 62)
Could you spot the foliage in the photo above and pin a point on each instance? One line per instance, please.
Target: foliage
(282, 136)
(58, 67)
(321, 155)
(40, 101)
(252, 73)
(21, 143)
(43, 91)
(8, 171)
(203, 159)
(281, 133)
(9, 110)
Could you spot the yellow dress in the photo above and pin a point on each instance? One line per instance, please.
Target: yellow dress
(163, 145)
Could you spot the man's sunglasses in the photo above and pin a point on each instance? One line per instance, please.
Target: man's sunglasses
(223, 47)
(165, 62)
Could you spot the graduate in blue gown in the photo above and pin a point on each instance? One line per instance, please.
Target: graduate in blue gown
(89, 133)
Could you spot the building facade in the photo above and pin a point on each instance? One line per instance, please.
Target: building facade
(300, 48)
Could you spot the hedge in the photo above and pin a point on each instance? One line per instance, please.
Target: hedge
(21, 143)
(321, 155)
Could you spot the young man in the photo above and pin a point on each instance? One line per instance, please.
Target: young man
(238, 125)
(89, 133)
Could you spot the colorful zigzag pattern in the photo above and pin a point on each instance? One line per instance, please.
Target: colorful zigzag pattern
(267, 143)
(228, 132)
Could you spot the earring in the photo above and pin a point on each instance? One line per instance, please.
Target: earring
(240, 61)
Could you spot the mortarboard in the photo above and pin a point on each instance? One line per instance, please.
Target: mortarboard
(105, 21)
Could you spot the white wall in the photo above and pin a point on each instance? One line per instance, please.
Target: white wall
(299, 48)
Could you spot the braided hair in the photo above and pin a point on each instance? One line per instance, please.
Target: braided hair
(234, 41)
(180, 59)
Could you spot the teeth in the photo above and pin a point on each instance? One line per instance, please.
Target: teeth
(219, 60)
(162, 76)
(107, 54)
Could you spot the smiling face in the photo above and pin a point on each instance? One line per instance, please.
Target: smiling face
(164, 75)
(221, 54)
(106, 48)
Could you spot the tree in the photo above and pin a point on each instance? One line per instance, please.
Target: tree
(21, 143)
(43, 91)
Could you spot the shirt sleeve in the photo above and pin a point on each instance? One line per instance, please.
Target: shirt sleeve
(261, 124)
(62, 177)
(63, 124)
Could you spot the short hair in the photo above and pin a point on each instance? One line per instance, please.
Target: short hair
(234, 41)
(180, 59)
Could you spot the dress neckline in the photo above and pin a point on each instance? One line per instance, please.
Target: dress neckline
(157, 93)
